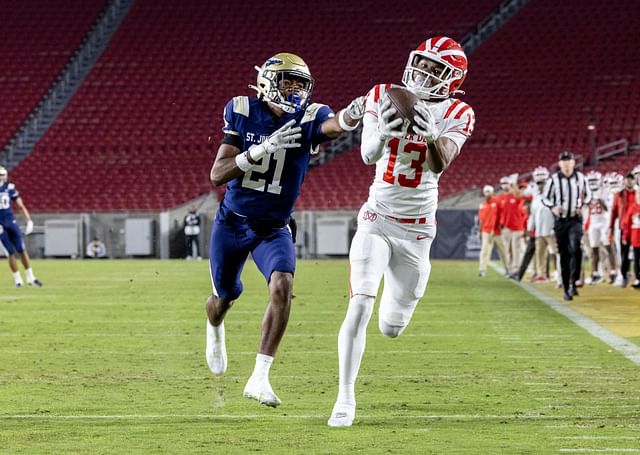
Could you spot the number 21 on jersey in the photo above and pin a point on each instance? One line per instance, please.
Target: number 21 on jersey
(260, 184)
(416, 163)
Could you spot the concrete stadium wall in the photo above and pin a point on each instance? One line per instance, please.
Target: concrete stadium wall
(456, 237)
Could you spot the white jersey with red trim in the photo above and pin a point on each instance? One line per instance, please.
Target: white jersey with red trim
(599, 212)
(404, 187)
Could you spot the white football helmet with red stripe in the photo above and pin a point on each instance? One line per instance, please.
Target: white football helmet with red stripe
(540, 174)
(614, 181)
(594, 180)
(436, 69)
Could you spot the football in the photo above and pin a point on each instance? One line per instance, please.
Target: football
(403, 101)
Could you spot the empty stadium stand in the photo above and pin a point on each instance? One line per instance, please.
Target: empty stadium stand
(535, 86)
(141, 132)
(542, 79)
(135, 136)
(38, 38)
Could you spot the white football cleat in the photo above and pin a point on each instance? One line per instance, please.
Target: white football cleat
(342, 415)
(260, 390)
(216, 351)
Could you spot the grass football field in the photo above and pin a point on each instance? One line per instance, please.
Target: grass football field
(108, 357)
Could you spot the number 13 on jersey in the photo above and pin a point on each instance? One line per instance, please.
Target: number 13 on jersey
(416, 164)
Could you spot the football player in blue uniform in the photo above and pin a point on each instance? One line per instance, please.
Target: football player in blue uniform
(263, 159)
(10, 235)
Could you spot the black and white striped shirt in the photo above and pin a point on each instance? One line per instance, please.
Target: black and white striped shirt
(569, 193)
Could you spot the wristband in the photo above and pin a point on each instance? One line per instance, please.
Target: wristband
(242, 161)
(257, 152)
(343, 124)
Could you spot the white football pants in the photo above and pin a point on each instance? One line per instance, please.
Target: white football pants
(400, 253)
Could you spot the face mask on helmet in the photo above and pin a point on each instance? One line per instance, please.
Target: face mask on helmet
(4, 175)
(615, 182)
(540, 174)
(436, 69)
(427, 75)
(285, 81)
(594, 180)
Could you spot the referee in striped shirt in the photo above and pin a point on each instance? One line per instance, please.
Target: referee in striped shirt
(565, 193)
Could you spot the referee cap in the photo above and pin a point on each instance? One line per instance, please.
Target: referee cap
(566, 155)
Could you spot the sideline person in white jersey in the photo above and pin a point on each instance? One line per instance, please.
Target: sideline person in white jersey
(598, 219)
(397, 224)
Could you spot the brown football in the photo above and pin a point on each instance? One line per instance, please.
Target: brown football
(403, 101)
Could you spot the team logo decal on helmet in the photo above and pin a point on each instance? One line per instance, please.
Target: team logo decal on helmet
(436, 69)
(284, 80)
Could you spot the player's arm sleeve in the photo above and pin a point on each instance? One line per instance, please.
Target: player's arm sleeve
(234, 120)
(372, 145)
(13, 192)
(459, 127)
(321, 114)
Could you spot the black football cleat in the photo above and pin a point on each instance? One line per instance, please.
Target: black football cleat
(35, 283)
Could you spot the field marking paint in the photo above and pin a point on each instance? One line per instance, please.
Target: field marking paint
(626, 348)
(469, 417)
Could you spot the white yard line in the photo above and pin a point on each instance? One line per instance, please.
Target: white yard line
(626, 348)
(469, 417)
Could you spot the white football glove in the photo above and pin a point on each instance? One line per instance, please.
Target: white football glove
(386, 127)
(355, 109)
(283, 138)
(28, 228)
(426, 123)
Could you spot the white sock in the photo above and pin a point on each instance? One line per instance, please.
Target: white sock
(16, 277)
(263, 364)
(217, 330)
(352, 340)
(29, 273)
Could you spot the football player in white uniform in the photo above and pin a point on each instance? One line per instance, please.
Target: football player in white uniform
(599, 217)
(397, 223)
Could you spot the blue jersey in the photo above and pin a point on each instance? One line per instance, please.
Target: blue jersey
(269, 190)
(8, 194)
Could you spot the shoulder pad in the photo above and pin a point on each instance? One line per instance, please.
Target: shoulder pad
(241, 105)
(311, 112)
(378, 91)
(11, 186)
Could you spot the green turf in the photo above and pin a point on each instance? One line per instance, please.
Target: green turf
(108, 358)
